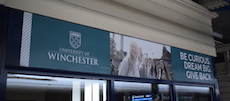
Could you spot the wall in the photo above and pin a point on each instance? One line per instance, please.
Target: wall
(223, 71)
(178, 23)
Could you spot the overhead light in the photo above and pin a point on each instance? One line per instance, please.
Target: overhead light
(30, 77)
(218, 35)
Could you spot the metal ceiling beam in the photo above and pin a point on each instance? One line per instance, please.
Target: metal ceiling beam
(223, 48)
(214, 4)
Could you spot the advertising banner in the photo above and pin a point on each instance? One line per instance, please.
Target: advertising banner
(134, 57)
(191, 66)
(55, 44)
(140, 58)
(61, 45)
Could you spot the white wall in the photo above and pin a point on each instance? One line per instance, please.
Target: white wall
(2, 1)
(179, 23)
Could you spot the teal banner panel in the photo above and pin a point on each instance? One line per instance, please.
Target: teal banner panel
(191, 66)
(61, 45)
(55, 44)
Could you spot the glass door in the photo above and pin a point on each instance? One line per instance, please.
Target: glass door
(21, 87)
(133, 91)
(193, 93)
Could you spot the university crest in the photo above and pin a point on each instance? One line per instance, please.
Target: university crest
(75, 39)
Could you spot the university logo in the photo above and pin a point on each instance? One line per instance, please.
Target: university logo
(75, 39)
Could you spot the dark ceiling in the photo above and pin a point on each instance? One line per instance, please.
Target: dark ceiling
(221, 24)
